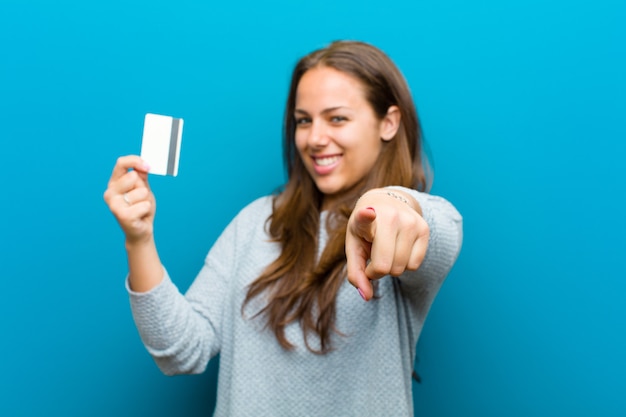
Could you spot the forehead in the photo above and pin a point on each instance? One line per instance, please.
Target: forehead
(328, 87)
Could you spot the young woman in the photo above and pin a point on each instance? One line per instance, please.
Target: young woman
(314, 297)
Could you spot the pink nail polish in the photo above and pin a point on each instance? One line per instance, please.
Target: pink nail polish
(361, 294)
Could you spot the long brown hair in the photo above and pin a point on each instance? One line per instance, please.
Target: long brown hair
(297, 286)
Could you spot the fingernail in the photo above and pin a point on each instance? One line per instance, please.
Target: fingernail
(370, 208)
(146, 166)
(361, 294)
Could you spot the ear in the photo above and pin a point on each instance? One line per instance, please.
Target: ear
(390, 124)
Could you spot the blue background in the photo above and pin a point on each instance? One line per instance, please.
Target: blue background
(522, 104)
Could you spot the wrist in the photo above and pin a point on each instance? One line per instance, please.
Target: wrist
(139, 244)
(405, 197)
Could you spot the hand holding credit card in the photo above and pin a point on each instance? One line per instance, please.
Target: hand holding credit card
(160, 145)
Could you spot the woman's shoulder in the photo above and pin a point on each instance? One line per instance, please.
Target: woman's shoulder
(249, 223)
(261, 205)
(254, 213)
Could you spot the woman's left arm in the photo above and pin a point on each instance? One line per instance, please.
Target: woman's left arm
(395, 229)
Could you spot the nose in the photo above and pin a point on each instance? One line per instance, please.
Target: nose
(318, 135)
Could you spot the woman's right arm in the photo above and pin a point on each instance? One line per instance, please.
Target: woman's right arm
(180, 334)
(131, 201)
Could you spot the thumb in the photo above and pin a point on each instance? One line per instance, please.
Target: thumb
(144, 178)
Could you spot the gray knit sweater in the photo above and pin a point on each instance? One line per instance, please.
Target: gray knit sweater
(368, 373)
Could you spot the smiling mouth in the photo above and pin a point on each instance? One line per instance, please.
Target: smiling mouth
(326, 160)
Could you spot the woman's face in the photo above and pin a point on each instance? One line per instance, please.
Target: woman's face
(338, 135)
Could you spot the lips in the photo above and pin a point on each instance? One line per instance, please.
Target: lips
(325, 164)
(325, 161)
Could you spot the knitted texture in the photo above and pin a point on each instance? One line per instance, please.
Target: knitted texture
(368, 373)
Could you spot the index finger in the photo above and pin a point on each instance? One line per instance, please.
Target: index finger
(124, 163)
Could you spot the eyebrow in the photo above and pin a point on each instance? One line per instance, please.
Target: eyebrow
(325, 111)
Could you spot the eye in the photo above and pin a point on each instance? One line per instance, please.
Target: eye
(302, 121)
(338, 119)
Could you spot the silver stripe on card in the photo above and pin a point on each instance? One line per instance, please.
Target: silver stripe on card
(171, 159)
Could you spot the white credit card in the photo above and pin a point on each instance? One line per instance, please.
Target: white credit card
(160, 145)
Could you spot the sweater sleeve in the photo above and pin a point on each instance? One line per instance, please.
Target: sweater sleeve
(170, 329)
(183, 332)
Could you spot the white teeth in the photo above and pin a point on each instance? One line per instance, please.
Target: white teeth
(326, 161)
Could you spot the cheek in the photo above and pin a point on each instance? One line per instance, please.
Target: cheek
(370, 150)
(301, 148)
(299, 142)
(300, 138)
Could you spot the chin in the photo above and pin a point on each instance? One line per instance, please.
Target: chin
(328, 189)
